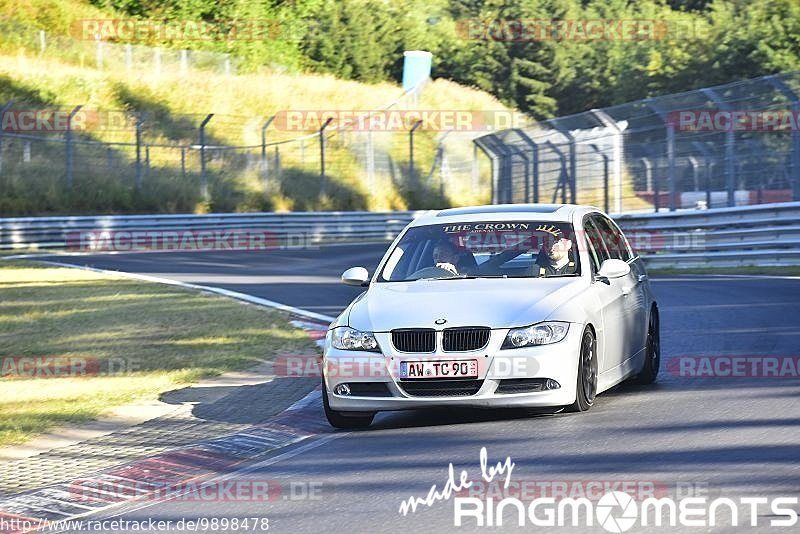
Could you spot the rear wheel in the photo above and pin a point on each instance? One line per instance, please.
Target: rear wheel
(587, 373)
(652, 358)
(341, 419)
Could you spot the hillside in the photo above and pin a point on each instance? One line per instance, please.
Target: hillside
(174, 101)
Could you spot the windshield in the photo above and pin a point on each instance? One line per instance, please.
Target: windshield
(484, 249)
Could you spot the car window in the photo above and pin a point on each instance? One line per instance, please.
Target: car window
(615, 242)
(484, 249)
(597, 247)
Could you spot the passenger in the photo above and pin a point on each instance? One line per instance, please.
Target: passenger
(554, 260)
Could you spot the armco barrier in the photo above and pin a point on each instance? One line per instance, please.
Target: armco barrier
(762, 235)
(766, 234)
(314, 227)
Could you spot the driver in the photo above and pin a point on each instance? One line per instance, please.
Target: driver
(554, 258)
(445, 257)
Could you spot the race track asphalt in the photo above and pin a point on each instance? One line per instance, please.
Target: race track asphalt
(721, 437)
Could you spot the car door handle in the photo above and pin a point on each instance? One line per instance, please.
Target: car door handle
(642, 277)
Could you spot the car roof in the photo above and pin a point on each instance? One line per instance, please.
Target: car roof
(504, 212)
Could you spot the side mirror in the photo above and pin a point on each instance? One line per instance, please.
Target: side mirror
(355, 276)
(612, 268)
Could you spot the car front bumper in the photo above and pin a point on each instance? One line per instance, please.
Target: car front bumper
(557, 361)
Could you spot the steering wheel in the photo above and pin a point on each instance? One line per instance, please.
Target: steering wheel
(430, 272)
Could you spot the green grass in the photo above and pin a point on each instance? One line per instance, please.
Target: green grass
(176, 104)
(755, 270)
(160, 335)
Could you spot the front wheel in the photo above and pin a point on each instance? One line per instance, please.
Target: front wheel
(587, 373)
(652, 357)
(340, 419)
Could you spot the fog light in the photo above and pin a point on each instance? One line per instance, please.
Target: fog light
(342, 389)
(552, 384)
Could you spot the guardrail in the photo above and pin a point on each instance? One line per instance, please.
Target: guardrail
(762, 235)
(767, 234)
(309, 227)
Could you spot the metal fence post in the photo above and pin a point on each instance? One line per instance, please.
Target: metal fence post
(203, 177)
(562, 177)
(730, 148)
(606, 120)
(695, 172)
(69, 145)
(670, 130)
(671, 179)
(264, 161)
(323, 179)
(139, 152)
(417, 124)
(483, 144)
(534, 162)
(707, 170)
(475, 170)
(649, 182)
(794, 102)
(370, 161)
(5, 108)
(570, 177)
(526, 172)
(440, 159)
(605, 175)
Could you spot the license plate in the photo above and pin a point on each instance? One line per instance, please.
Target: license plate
(440, 369)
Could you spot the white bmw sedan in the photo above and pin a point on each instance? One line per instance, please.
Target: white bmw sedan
(521, 305)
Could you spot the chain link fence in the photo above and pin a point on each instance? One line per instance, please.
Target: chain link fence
(149, 159)
(83, 160)
(103, 55)
(730, 145)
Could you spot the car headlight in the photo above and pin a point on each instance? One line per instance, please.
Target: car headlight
(537, 334)
(346, 338)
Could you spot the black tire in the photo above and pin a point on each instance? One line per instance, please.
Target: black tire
(652, 359)
(341, 419)
(587, 373)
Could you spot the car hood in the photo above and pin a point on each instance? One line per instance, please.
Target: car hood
(496, 303)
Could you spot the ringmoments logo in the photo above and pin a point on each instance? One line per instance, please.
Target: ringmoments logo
(615, 510)
(618, 511)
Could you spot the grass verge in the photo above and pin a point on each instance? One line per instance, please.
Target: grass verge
(138, 338)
